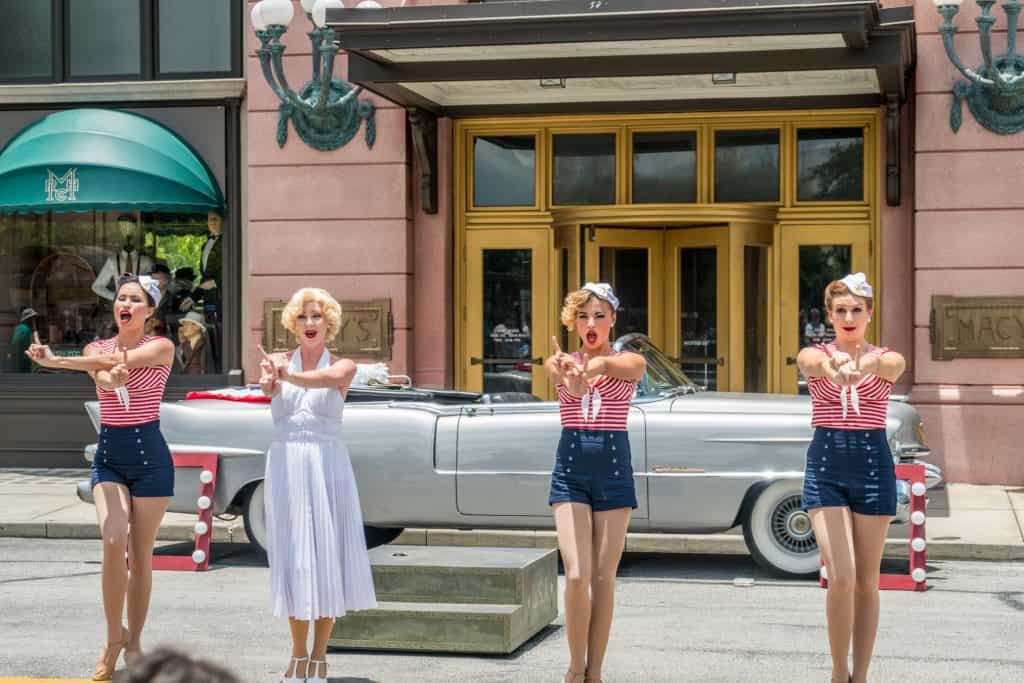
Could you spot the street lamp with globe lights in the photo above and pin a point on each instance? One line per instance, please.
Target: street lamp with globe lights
(325, 112)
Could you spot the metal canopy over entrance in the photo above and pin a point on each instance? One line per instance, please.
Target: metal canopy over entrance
(564, 56)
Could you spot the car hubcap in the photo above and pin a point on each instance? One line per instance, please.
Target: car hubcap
(791, 527)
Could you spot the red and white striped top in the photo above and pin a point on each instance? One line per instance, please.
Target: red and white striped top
(605, 406)
(827, 405)
(145, 391)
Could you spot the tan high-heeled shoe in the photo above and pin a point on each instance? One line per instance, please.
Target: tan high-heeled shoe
(108, 660)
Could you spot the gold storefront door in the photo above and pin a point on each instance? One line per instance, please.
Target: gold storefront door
(697, 303)
(811, 258)
(508, 299)
(630, 260)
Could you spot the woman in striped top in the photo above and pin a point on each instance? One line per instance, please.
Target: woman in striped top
(850, 479)
(592, 492)
(132, 472)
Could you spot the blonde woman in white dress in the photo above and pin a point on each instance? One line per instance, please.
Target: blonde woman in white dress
(319, 567)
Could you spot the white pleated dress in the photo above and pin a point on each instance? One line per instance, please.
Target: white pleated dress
(315, 541)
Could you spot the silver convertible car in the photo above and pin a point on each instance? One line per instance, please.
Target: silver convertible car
(704, 462)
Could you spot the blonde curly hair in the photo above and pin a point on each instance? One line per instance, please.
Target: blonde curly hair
(574, 301)
(328, 305)
(838, 288)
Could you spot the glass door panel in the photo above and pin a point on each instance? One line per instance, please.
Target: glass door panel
(508, 274)
(630, 261)
(698, 315)
(755, 318)
(811, 258)
(627, 271)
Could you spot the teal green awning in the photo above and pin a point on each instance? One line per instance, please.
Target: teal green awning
(103, 160)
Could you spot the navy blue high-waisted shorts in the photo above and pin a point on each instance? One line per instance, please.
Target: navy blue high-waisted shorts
(851, 468)
(594, 467)
(137, 457)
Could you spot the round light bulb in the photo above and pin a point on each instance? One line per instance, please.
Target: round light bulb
(206, 476)
(917, 518)
(199, 557)
(824, 572)
(918, 489)
(369, 4)
(277, 12)
(203, 502)
(307, 6)
(201, 528)
(918, 575)
(941, 3)
(256, 16)
(320, 10)
(918, 544)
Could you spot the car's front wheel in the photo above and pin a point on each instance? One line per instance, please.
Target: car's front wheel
(778, 531)
(255, 519)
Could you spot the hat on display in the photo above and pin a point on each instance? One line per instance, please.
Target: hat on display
(603, 291)
(28, 313)
(857, 283)
(195, 319)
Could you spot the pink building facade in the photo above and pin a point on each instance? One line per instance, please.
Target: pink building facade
(352, 221)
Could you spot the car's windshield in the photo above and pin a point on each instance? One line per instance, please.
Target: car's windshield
(663, 377)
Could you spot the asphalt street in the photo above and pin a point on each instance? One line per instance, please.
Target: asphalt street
(679, 618)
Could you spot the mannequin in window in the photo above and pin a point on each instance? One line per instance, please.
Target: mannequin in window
(193, 352)
(211, 261)
(129, 259)
(211, 264)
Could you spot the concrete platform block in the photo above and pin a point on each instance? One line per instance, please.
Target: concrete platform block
(500, 576)
(454, 599)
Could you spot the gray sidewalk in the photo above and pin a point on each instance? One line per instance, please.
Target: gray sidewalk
(965, 522)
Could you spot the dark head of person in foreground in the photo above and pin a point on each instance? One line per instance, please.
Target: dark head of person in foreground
(165, 665)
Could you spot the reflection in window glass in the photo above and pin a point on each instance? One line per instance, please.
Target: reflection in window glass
(664, 167)
(584, 169)
(628, 272)
(818, 265)
(27, 51)
(504, 170)
(755, 318)
(747, 166)
(698, 315)
(105, 38)
(830, 164)
(62, 277)
(195, 36)
(507, 341)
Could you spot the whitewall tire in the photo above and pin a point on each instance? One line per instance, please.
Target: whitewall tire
(255, 518)
(778, 531)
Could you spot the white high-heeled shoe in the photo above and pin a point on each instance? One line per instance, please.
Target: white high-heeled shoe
(295, 669)
(315, 663)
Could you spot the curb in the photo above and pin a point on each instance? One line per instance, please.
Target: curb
(222, 533)
(678, 544)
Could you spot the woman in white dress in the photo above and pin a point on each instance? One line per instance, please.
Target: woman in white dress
(319, 567)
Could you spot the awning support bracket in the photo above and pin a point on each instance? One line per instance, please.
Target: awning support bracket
(423, 126)
(893, 150)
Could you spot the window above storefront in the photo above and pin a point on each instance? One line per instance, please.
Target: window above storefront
(54, 41)
(773, 158)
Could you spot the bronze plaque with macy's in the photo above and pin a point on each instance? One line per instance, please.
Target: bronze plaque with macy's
(977, 327)
(367, 331)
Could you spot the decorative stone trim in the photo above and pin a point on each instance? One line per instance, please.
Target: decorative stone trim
(124, 91)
